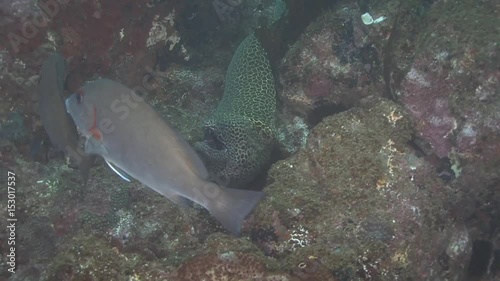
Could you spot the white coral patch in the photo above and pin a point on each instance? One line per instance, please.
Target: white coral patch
(159, 31)
(163, 31)
(416, 77)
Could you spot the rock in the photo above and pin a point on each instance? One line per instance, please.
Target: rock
(13, 129)
(451, 92)
(224, 266)
(332, 65)
(359, 200)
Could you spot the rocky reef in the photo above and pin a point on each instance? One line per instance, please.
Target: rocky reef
(387, 165)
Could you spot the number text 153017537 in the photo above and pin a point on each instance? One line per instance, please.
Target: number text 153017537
(11, 221)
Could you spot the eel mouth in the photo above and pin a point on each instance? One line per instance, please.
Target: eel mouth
(213, 140)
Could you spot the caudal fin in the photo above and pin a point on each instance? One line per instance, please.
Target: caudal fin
(231, 206)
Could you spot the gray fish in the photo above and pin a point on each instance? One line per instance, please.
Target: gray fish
(133, 139)
(56, 121)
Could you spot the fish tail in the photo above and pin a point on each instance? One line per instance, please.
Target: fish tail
(86, 163)
(231, 206)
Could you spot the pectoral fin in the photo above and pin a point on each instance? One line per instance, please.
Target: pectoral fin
(118, 171)
(95, 146)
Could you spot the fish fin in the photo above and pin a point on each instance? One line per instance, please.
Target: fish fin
(36, 145)
(118, 171)
(84, 168)
(231, 206)
(197, 166)
(179, 199)
(95, 146)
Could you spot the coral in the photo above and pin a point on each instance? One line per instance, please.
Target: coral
(240, 133)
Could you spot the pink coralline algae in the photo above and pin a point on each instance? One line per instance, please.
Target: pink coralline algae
(425, 94)
(331, 66)
(478, 137)
(319, 86)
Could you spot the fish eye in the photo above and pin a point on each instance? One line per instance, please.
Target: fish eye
(79, 96)
(214, 139)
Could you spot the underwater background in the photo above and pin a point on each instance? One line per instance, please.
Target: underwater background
(371, 126)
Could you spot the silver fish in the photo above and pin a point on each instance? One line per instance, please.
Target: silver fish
(57, 123)
(126, 131)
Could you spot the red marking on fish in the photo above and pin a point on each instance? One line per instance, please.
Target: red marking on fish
(94, 131)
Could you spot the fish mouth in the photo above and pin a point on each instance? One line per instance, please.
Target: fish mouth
(66, 104)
